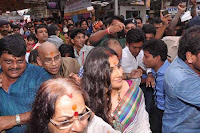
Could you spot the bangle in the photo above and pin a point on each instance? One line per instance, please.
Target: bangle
(127, 76)
(108, 31)
(18, 119)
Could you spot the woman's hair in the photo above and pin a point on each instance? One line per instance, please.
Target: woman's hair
(66, 49)
(96, 81)
(33, 56)
(32, 36)
(43, 107)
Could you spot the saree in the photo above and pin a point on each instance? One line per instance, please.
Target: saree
(128, 107)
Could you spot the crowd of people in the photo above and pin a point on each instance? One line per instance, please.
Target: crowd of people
(112, 76)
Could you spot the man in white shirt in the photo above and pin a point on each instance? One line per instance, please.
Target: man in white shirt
(80, 49)
(132, 55)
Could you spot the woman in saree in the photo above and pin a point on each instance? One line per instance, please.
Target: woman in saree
(118, 102)
(60, 106)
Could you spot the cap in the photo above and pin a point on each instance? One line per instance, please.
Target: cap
(130, 20)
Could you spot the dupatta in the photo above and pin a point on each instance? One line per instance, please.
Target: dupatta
(129, 106)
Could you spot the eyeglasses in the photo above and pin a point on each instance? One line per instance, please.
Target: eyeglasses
(49, 61)
(69, 123)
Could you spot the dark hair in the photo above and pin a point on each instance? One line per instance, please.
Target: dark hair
(52, 29)
(149, 28)
(13, 44)
(155, 20)
(31, 26)
(156, 47)
(32, 36)
(43, 107)
(40, 26)
(139, 18)
(189, 42)
(89, 18)
(77, 24)
(33, 56)
(115, 18)
(83, 20)
(75, 32)
(96, 81)
(66, 49)
(69, 25)
(134, 36)
(15, 27)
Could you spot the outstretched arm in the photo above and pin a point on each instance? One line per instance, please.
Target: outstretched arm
(113, 28)
(173, 23)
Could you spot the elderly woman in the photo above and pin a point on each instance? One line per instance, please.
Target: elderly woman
(118, 102)
(60, 107)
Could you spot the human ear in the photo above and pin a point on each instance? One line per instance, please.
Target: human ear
(72, 40)
(190, 57)
(39, 62)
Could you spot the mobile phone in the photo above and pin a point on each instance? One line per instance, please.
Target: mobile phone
(90, 8)
(165, 12)
(98, 24)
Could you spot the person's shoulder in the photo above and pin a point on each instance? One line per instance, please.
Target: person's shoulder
(125, 51)
(68, 59)
(98, 124)
(35, 69)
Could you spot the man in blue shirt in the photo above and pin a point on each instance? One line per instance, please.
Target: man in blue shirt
(155, 57)
(20, 82)
(182, 87)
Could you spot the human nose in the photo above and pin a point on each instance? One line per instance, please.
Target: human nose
(77, 126)
(119, 71)
(14, 65)
(53, 62)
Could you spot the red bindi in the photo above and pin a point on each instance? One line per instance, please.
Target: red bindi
(76, 114)
(70, 95)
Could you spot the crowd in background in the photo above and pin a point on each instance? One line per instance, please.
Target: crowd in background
(101, 76)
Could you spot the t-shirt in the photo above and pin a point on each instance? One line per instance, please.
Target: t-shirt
(21, 94)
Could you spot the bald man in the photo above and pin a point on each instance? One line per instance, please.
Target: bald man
(115, 45)
(50, 59)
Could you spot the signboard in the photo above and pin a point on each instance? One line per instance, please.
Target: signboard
(52, 5)
(76, 7)
(34, 1)
(173, 9)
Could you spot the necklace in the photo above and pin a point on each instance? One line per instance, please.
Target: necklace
(116, 122)
(119, 101)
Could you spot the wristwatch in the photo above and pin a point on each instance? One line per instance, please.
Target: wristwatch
(18, 119)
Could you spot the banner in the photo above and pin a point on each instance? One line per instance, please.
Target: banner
(76, 7)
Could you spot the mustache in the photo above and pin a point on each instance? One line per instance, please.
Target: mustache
(14, 69)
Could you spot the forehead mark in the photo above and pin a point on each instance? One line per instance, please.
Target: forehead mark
(51, 53)
(76, 114)
(70, 96)
(74, 107)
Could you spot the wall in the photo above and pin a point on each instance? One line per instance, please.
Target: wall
(142, 10)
